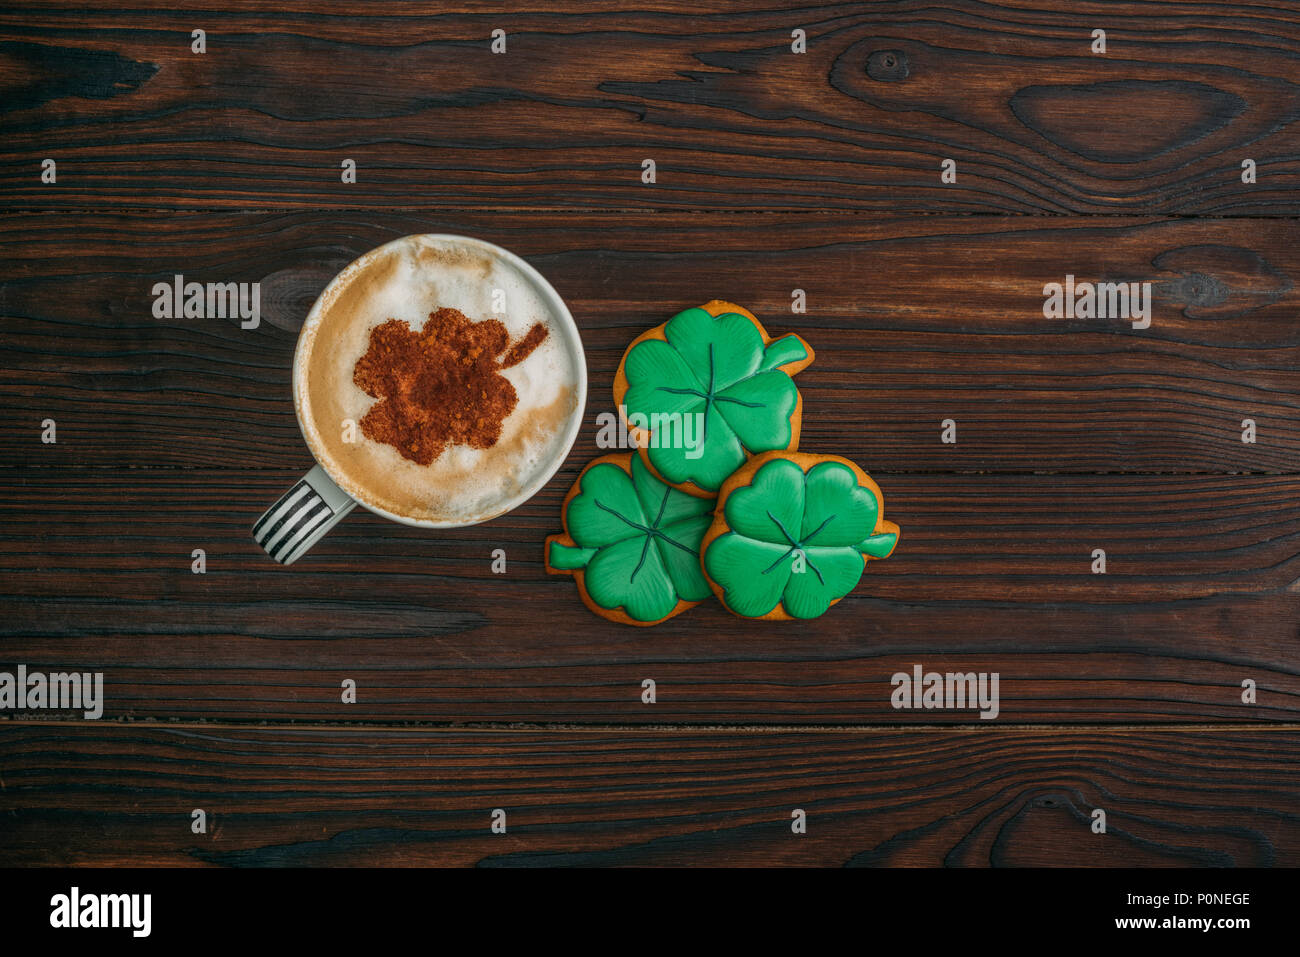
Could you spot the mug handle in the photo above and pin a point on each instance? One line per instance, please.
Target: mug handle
(302, 516)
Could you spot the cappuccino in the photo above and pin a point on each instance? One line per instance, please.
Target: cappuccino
(462, 284)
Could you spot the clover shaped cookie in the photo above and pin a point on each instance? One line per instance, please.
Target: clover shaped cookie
(631, 542)
(792, 533)
(706, 390)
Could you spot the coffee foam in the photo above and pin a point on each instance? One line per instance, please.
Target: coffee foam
(407, 280)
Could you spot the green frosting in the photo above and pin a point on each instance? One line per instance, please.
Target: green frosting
(637, 539)
(795, 539)
(716, 367)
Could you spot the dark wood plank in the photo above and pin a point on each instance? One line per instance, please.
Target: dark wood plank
(993, 574)
(104, 794)
(775, 172)
(734, 119)
(914, 320)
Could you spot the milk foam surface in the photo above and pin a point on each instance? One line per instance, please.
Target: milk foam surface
(407, 280)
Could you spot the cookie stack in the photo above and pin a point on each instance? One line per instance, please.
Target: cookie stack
(717, 498)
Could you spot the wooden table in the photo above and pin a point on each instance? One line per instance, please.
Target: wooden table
(775, 171)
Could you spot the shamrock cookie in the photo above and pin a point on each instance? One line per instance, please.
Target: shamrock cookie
(707, 389)
(631, 542)
(792, 533)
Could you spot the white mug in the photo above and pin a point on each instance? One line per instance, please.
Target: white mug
(317, 502)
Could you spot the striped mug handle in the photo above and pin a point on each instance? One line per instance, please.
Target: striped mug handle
(302, 516)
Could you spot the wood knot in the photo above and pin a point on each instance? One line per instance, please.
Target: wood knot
(1218, 282)
(889, 66)
(288, 294)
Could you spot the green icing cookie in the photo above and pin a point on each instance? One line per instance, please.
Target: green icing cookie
(792, 534)
(631, 542)
(708, 389)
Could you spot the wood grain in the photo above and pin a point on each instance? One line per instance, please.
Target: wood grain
(993, 573)
(1036, 122)
(775, 172)
(115, 794)
(914, 321)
